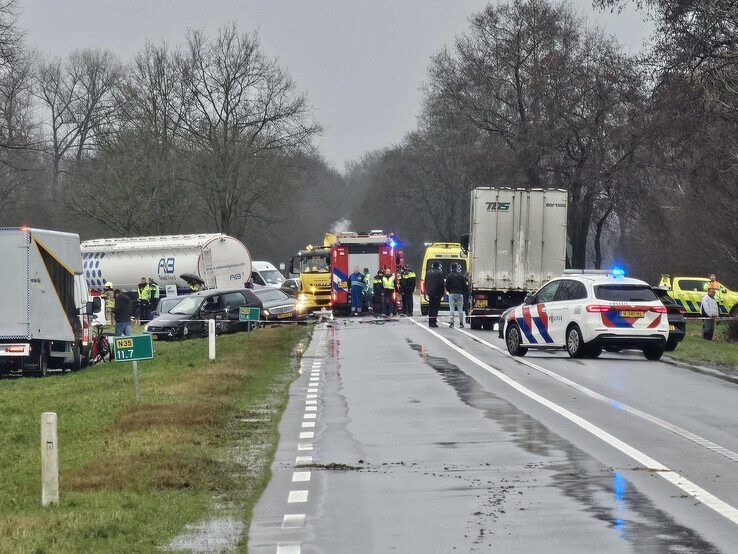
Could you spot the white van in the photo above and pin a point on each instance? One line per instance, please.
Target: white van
(265, 274)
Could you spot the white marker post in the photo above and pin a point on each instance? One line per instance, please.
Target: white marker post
(211, 339)
(136, 385)
(49, 460)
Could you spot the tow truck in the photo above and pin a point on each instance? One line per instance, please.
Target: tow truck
(373, 250)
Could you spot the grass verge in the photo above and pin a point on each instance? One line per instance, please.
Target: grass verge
(132, 476)
(718, 352)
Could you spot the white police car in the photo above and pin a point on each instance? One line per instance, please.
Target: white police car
(585, 311)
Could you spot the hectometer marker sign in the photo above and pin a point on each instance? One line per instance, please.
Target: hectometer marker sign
(136, 347)
(249, 314)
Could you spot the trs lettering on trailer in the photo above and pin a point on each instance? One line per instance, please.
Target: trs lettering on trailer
(166, 265)
(498, 206)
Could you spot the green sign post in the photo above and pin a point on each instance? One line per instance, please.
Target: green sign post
(132, 349)
(249, 314)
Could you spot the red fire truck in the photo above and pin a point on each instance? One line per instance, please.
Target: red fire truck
(373, 250)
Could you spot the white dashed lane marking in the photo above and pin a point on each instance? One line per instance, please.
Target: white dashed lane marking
(303, 446)
(300, 476)
(309, 416)
(308, 424)
(293, 520)
(284, 548)
(307, 435)
(303, 460)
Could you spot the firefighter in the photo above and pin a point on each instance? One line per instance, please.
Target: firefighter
(144, 294)
(109, 296)
(388, 292)
(434, 288)
(377, 291)
(407, 285)
(356, 284)
(154, 293)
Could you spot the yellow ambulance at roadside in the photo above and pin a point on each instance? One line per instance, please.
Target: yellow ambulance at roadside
(445, 253)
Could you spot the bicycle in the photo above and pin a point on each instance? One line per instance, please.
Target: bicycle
(100, 347)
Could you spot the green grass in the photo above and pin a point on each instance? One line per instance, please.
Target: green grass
(132, 476)
(719, 351)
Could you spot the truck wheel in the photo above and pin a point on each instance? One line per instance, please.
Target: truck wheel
(671, 345)
(475, 323)
(76, 358)
(513, 341)
(423, 310)
(574, 342)
(653, 352)
(39, 364)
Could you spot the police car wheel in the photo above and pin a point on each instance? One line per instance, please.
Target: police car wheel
(513, 340)
(574, 342)
(653, 352)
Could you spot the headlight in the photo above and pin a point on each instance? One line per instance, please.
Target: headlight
(313, 289)
(302, 297)
(265, 312)
(146, 327)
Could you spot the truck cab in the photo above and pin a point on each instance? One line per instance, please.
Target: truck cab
(313, 265)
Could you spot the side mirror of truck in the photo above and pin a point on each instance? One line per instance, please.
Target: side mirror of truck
(464, 240)
(529, 299)
(96, 304)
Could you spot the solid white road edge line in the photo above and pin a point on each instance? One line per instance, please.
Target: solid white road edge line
(700, 494)
(615, 403)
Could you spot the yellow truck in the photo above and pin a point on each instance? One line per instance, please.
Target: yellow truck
(313, 264)
(446, 253)
(687, 292)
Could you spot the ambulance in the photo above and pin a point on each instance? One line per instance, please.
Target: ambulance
(446, 253)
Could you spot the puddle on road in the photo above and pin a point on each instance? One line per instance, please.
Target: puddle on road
(605, 494)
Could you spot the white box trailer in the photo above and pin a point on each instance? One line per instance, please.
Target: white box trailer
(44, 321)
(516, 243)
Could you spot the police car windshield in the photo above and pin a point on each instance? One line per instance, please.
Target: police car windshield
(272, 276)
(625, 293)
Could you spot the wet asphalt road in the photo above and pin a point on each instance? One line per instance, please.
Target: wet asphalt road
(412, 446)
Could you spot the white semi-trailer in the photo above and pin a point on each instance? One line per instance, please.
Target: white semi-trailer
(516, 243)
(45, 309)
(219, 260)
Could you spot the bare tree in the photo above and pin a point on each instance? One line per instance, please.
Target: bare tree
(239, 110)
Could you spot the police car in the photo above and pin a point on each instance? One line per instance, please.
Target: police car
(586, 311)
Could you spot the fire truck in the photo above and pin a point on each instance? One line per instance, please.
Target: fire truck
(372, 250)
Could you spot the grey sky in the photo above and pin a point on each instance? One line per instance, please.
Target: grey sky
(360, 62)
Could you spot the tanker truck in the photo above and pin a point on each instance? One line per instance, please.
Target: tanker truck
(217, 259)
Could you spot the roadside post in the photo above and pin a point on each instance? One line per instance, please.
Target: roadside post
(249, 315)
(132, 349)
(49, 460)
(211, 339)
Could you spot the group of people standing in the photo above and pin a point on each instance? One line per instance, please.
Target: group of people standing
(377, 294)
(120, 309)
(437, 285)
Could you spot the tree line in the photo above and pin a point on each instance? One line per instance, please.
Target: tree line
(214, 135)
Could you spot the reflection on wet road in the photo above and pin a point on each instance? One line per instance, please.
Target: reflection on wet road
(603, 493)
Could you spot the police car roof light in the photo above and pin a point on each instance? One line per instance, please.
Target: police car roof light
(617, 271)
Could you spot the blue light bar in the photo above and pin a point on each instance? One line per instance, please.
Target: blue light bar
(617, 271)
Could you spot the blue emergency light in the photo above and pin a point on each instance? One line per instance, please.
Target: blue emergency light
(392, 243)
(617, 271)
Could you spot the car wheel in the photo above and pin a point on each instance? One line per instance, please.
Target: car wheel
(653, 352)
(593, 352)
(671, 346)
(513, 340)
(575, 342)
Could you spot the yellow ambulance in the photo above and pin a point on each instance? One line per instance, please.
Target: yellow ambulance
(446, 253)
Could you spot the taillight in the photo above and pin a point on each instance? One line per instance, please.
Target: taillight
(85, 336)
(660, 309)
(598, 308)
(15, 349)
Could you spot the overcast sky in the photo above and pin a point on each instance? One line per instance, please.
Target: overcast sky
(361, 62)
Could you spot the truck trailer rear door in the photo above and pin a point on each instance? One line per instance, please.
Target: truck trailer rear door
(14, 315)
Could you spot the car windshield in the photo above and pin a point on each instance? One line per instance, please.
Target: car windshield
(625, 293)
(272, 276)
(166, 304)
(187, 306)
(270, 295)
(314, 264)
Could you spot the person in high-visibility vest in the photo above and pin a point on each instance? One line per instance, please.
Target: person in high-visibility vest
(154, 293)
(377, 292)
(144, 295)
(388, 292)
(407, 284)
(109, 296)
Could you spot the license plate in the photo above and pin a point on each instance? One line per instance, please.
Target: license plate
(282, 316)
(481, 303)
(632, 314)
(672, 328)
